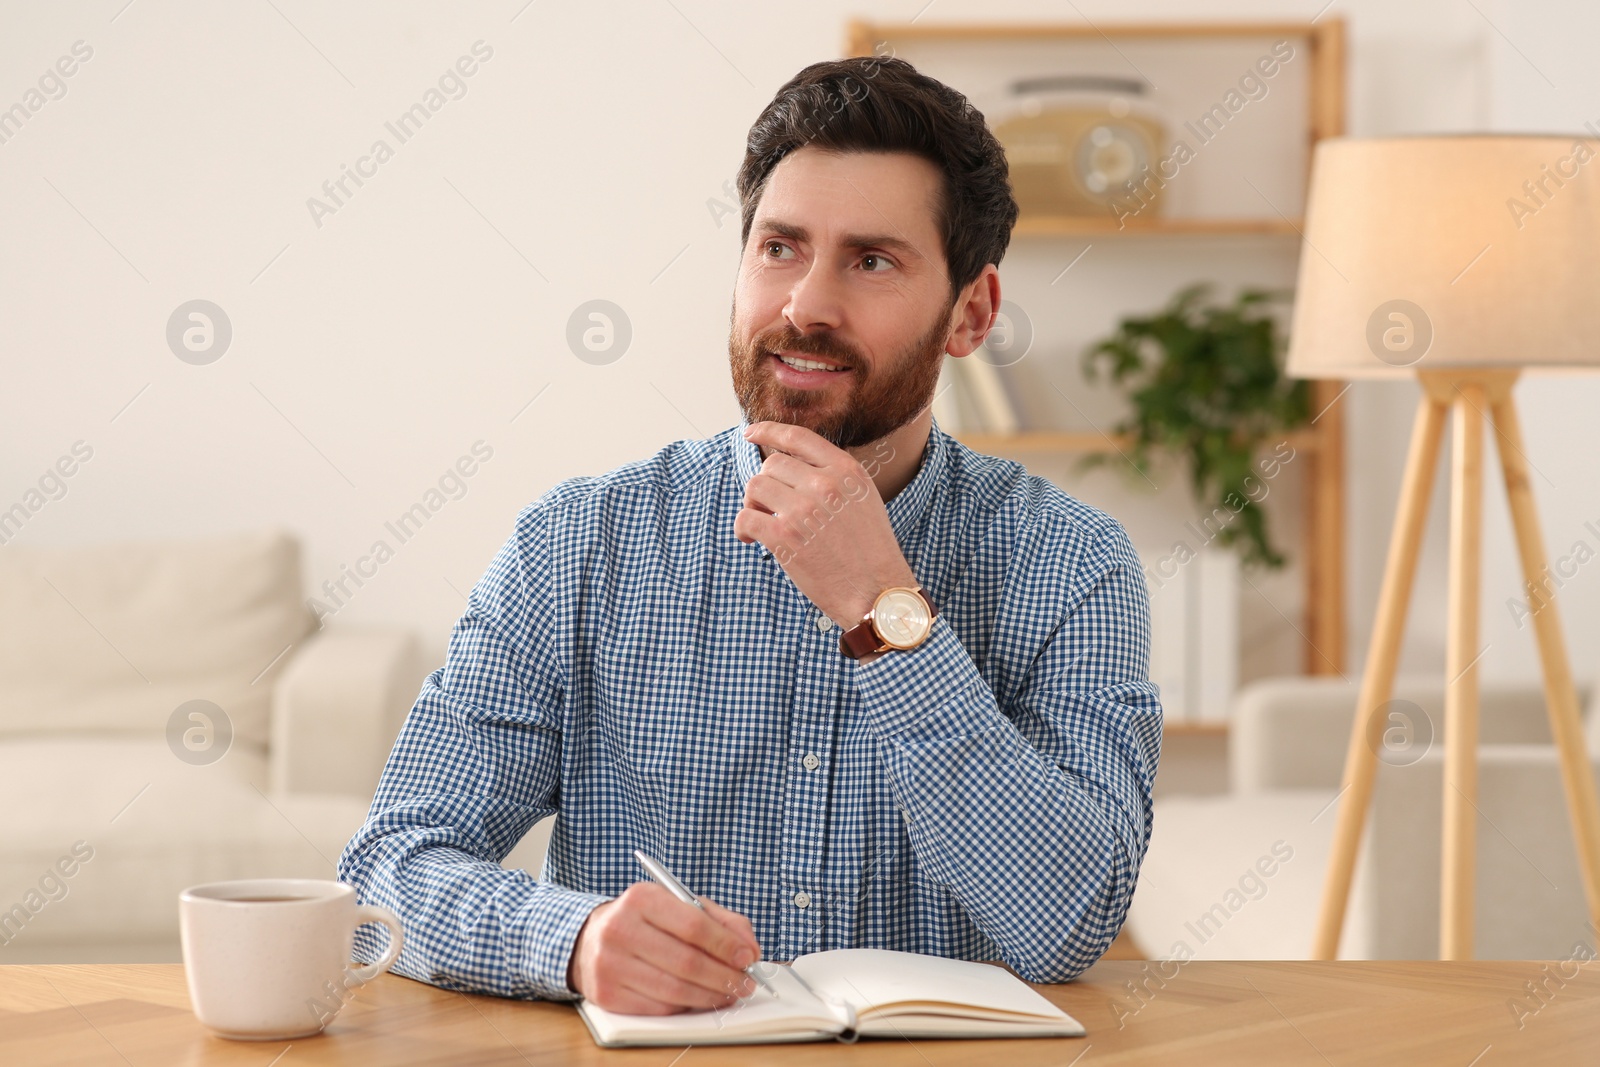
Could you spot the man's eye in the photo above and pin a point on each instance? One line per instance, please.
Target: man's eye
(778, 245)
(876, 259)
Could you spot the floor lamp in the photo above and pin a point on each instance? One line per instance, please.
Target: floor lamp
(1460, 261)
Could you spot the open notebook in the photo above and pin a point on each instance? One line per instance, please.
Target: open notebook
(851, 992)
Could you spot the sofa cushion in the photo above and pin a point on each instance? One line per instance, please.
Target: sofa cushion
(110, 639)
(1240, 878)
(140, 827)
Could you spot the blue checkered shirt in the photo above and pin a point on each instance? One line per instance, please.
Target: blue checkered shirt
(629, 666)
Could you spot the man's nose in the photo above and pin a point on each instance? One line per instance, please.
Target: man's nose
(815, 303)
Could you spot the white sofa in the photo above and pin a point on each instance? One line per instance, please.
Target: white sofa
(1213, 887)
(103, 819)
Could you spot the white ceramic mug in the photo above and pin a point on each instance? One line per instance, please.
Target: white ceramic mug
(269, 958)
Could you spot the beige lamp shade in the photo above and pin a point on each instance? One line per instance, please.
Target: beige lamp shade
(1449, 252)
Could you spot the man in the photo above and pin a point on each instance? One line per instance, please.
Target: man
(858, 683)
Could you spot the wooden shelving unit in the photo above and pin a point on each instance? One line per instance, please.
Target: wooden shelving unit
(1322, 553)
(1079, 226)
(1190, 728)
(1086, 441)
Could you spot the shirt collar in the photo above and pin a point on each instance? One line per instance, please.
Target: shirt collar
(908, 505)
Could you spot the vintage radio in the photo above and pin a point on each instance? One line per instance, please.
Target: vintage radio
(1082, 145)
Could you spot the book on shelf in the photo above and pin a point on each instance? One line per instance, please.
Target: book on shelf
(972, 397)
(1194, 631)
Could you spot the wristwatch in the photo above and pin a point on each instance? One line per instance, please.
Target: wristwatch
(900, 618)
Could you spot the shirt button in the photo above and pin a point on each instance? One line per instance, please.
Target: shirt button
(824, 623)
(802, 899)
(811, 762)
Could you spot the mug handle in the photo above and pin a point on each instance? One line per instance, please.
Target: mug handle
(377, 913)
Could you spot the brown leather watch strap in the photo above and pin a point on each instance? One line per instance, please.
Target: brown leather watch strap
(862, 639)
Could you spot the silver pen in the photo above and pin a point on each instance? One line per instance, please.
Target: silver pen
(658, 871)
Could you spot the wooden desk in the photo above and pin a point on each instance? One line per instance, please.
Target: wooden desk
(1209, 1014)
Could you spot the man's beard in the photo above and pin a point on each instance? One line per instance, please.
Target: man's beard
(881, 399)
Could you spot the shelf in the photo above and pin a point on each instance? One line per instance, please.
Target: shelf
(1101, 226)
(1082, 441)
(1042, 441)
(863, 34)
(1186, 728)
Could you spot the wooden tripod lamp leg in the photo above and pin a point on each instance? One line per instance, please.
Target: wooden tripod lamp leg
(1561, 697)
(1459, 853)
(1383, 655)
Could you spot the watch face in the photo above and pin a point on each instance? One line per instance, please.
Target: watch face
(901, 618)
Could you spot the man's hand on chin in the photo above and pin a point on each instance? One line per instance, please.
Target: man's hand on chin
(817, 511)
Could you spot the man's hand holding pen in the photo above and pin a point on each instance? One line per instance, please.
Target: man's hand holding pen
(647, 953)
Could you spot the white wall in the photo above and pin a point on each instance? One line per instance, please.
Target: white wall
(372, 351)
(1545, 79)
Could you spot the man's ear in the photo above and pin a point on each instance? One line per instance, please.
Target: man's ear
(974, 313)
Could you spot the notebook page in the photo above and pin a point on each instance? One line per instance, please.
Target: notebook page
(793, 1015)
(879, 978)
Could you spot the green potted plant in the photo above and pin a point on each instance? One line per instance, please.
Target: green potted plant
(1207, 387)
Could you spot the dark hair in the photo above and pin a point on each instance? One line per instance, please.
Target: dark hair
(882, 104)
